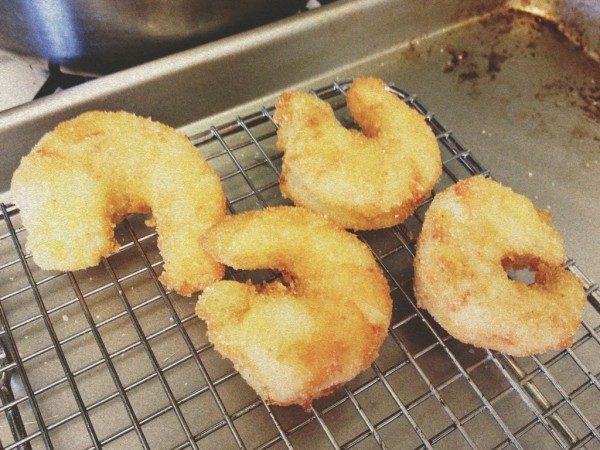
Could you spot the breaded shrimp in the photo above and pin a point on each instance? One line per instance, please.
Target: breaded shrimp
(91, 171)
(472, 233)
(297, 339)
(359, 180)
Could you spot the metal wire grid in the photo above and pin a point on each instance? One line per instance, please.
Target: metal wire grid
(108, 358)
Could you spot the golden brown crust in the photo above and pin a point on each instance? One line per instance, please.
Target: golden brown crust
(298, 339)
(369, 180)
(91, 171)
(472, 233)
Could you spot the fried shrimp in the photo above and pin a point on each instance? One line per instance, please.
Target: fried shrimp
(473, 232)
(297, 339)
(358, 180)
(91, 171)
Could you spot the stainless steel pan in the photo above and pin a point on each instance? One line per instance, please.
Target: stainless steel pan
(101, 36)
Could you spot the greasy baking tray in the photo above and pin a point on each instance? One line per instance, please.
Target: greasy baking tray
(107, 358)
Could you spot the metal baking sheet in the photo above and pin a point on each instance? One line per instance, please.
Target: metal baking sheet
(106, 357)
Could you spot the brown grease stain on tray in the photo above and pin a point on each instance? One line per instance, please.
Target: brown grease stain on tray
(486, 63)
(585, 96)
(489, 62)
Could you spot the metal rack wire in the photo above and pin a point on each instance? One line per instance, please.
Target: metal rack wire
(108, 358)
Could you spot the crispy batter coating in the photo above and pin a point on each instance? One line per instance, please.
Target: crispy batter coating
(91, 171)
(298, 339)
(359, 180)
(472, 233)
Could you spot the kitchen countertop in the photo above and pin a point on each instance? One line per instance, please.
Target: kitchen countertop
(20, 80)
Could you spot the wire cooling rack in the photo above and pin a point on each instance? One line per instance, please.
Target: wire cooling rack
(108, 358)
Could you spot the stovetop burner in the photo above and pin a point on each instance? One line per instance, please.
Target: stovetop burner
(58, 80)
